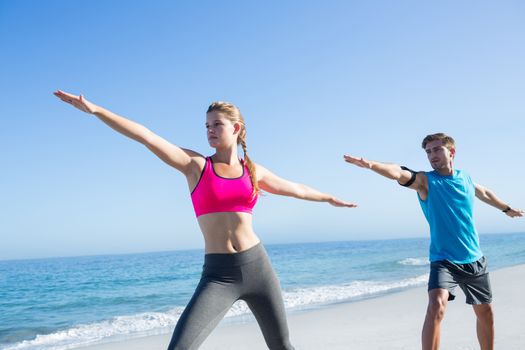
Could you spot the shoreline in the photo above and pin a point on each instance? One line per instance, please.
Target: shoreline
(390, 321)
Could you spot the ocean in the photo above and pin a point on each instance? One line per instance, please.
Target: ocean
(67, 303)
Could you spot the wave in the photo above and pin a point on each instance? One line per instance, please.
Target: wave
(307, 297)
(89, 334)
(414, 261)
(151, 323)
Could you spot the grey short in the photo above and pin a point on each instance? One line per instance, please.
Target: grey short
(472, 278)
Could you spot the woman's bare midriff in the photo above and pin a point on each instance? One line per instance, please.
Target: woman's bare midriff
(228, 232)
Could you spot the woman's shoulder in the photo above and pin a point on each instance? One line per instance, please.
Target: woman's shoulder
(197, 162)
(193, 154)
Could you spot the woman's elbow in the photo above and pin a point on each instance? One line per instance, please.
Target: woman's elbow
(300, 192)
(146, 137)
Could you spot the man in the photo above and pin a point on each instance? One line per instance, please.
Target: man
(446, 196)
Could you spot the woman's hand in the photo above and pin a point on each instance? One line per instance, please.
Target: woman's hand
(76, 101)
(339, 203)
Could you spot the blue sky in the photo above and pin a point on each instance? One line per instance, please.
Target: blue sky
(314, 80)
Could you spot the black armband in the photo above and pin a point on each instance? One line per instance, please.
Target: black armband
(412, 179)
(507, 209)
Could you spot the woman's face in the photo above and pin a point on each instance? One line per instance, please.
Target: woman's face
(221, 132)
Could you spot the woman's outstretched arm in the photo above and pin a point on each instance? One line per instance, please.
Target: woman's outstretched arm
(177, 157)
(272, 183)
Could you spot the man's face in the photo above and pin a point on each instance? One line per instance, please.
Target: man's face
(438, 155)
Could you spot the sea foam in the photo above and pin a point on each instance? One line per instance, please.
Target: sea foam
(414, 261)
(151, 323)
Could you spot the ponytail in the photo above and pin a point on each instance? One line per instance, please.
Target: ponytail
(249, 164)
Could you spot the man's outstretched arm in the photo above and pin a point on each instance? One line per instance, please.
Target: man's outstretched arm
(404, 176)
(487, 196)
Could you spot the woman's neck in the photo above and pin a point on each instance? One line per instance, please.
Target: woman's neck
(227, 156)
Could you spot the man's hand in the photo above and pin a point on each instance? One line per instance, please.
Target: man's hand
(514, 213)
(360, 162)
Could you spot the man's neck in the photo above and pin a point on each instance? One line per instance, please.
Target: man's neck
(446, 171)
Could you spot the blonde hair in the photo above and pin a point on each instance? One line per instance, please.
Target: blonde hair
(447, 141)
(233, 114)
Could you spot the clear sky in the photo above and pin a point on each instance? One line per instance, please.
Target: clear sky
(314, 80)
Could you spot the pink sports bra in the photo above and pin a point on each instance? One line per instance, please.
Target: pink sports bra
(214, 193)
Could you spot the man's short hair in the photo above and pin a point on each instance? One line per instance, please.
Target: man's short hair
(448, 141)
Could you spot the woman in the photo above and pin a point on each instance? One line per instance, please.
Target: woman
(223, 190)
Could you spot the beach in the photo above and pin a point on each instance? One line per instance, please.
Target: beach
(391, 321)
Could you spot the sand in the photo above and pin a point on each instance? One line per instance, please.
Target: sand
(392, 321)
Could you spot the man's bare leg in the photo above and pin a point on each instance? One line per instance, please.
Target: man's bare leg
(437, 304)
(485, 326)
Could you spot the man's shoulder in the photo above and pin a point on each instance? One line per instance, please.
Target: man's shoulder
(427, 173)
(462, 173)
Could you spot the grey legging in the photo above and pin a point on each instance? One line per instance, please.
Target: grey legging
(226, 278)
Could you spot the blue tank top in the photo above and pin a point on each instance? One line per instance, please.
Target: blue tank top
(448, 210)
